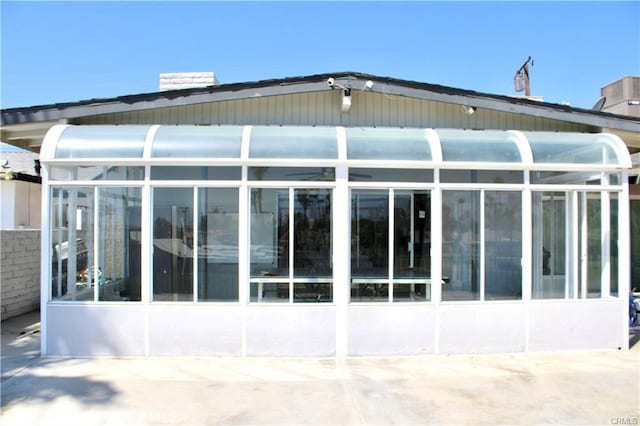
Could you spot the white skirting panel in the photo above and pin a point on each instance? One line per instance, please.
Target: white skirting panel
(576, 325)
(192, 330)
(391, 329)
(467, 328)
(291, 330)
(94, 331)
(195, 330)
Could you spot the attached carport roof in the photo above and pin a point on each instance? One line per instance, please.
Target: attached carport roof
(25, 118)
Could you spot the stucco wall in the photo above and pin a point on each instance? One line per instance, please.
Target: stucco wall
(20, 205)
(19, 272)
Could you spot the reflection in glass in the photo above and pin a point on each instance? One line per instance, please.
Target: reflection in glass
(312, 292)
(390, 175)
(271, 245)
(269, 292)
(461, 245)
(73, 274)
(411, 292)
(565, 178)
(292, 173)
(365, 291)
(195, 173)
(312, 233)
(218, 244)
(549, 245)
(173, 244)
(412, 235)
(96, 173)
(634, 206)
(269, 225)
(481, 176)
(503, 245)
(594, 244)
(369, 234)
(613, 244)
(119, 240)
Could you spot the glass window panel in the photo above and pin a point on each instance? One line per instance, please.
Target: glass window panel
(412, 235)
(119, 241)
(367, 143)
(461, 245)
(613, 244)
(269, 292)
(67, 173)
(73, 274)
(363, 291)
(370, 234)
(564, 178)
(411, 292)
(312, 233)
(218, 244)
(482, 145)
(292, 173)
(269, 229)
(195, 173)
(293, 142)
(481, 176)
(635, 244)
(173, 244)
(390, 175)
(582, 248)
(615, 178)
(101, 142)
(197, 142)
(61, 173)
(594, 244)
(503, 245)
(572, 148)
(312, 292)
(549, 245)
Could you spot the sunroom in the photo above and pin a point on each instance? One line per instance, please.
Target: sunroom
(331, 241)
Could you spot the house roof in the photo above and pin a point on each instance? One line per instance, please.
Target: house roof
(27, 118)
(18, 164)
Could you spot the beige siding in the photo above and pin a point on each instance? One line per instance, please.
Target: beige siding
(324, 108)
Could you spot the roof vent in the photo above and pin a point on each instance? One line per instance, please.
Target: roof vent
(186, 80)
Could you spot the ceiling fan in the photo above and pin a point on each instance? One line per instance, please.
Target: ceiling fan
(326, 174)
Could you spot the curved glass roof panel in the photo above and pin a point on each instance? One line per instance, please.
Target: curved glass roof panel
(293, 142)
(368, 143)
(573, 148)
(101, 142)
(492, 146)
(197, 142)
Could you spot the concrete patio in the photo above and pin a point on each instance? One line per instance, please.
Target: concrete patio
(539, 388)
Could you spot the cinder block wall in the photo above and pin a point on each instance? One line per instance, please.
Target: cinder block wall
(19, 271)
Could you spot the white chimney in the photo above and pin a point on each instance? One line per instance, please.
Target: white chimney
(186, 80)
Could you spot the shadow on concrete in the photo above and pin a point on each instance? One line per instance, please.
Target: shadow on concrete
(21, 353)
(27, 388)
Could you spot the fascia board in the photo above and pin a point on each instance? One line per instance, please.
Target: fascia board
(162, 101)
(541, 111)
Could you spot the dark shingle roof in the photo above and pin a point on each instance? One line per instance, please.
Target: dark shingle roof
(309, 83)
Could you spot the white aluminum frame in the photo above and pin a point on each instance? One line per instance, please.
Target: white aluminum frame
(341, 190)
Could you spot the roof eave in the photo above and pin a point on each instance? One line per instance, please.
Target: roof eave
(316, 83)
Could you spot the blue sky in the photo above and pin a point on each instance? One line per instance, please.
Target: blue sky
(58, 52)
